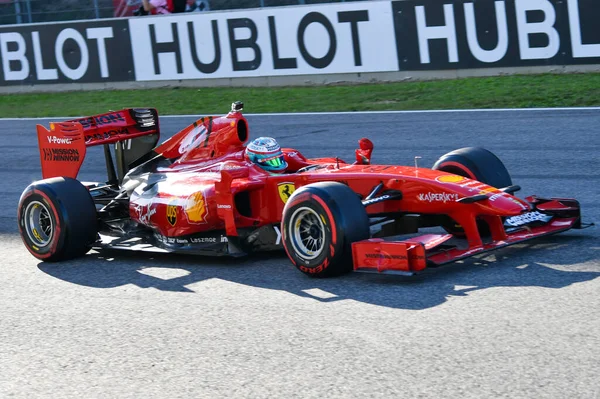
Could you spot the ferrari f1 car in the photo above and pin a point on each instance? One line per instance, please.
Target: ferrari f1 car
(195, 193)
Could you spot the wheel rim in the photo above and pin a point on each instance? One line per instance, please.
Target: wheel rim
(38, 223)
(307, 233)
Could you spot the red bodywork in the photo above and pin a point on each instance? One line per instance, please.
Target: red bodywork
(200, 190)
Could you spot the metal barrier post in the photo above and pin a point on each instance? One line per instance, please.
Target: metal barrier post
(96, 9)
(18, 12)
(28, 4)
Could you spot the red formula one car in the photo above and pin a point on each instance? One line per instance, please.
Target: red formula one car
(196, 193)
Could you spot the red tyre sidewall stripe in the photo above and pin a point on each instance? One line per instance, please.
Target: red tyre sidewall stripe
(470, 174)
(57, 228)
(295, 200)
(330, 216)
(283, 236)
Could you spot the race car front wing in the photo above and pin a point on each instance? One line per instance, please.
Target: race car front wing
(548, 216)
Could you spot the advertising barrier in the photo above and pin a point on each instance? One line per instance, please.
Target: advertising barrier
(513, 33)
(344, 38)
(338, 38)
(80, 52)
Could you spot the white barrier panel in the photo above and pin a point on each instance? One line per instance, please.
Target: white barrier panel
(339, 38)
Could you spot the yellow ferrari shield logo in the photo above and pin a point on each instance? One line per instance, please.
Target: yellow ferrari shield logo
(285, 191)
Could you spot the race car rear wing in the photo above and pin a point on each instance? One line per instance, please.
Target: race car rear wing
(63, 147)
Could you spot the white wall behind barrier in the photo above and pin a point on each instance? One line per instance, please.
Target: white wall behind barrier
(340, 38)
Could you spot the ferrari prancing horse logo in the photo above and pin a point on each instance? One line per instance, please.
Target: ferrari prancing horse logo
(285, 191)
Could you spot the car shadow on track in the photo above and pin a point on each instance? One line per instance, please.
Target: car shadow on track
(554, 262)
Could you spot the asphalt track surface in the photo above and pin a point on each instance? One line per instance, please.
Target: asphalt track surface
(523, 322)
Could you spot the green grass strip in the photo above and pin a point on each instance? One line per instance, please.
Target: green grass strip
(518, 91)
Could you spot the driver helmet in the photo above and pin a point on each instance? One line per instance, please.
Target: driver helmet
(266, 153)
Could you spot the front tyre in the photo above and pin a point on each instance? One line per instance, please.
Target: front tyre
(478, 164)
(57, 219)
(320, 222)
(475, 163)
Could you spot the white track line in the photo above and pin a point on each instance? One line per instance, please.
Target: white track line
(434, 111)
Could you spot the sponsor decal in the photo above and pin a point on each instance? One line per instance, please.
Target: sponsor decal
(495, 197)
(200, 240)
(527, 218)
(145, 212)
(172, 240)
(61, 154)
(172, 213)
(383, 255)
(473, 185)
(517, 202)
(450, 179)
(145, 218)
(560, 223)
(285, 191)
(278, 232)
(376, 200)
(221, 206)
(195, 208)
(382, 259)
(470, 183)
(229, 166)
(107, 135)
(437, 197)
(94, 121)
(59, 140)
(487, 190)
(190, 240)
(193, 139)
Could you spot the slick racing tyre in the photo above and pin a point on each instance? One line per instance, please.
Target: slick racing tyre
(320, 222)
(475, 163)
(57, 219)
(478, 164)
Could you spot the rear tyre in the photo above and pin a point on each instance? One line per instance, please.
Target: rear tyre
(478, 164)
(57, 219)
(320, 222)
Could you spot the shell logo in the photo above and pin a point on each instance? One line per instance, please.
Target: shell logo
(195, 208)
(488, 190)
(450, 179)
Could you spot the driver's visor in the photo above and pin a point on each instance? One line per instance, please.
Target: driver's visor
(274, 162)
